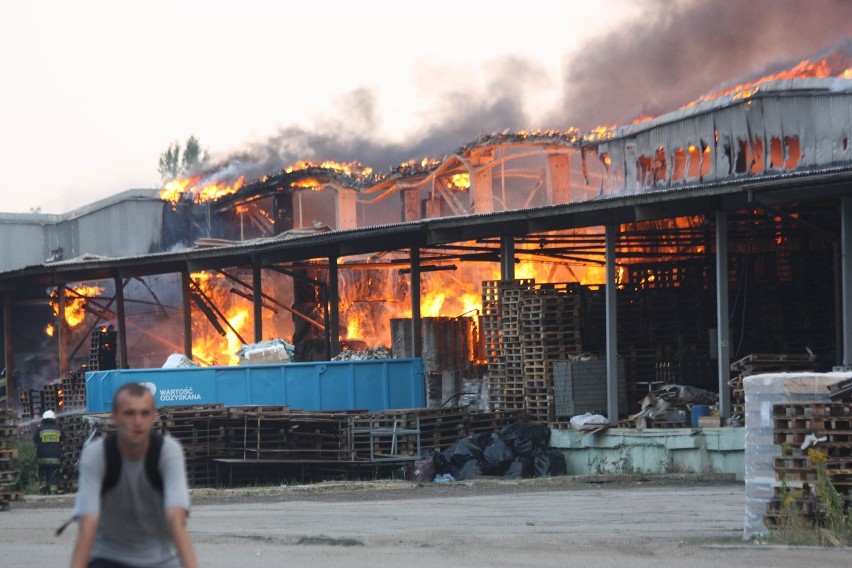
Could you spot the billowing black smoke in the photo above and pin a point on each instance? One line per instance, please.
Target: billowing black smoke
(675, 52)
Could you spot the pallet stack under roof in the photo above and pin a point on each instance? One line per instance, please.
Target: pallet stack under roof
(527, 328)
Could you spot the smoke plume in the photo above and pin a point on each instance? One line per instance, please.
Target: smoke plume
(675, 52)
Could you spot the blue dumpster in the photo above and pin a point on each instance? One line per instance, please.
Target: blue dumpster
(376, 384)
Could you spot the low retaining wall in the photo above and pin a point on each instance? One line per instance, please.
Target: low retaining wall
(653, 450)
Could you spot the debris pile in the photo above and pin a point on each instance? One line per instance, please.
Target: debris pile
(671, 397)
(379, 352)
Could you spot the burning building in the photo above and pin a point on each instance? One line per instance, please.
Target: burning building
(679, 241)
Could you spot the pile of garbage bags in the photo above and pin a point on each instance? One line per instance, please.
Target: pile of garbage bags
(516, 451)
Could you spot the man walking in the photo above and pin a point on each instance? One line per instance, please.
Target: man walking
(48, 442)
(132, 509)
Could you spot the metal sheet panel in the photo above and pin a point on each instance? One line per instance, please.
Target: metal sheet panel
(379, 384)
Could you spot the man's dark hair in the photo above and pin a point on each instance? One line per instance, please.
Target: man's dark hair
(133, 389)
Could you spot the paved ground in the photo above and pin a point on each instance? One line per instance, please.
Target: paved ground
(628, 524)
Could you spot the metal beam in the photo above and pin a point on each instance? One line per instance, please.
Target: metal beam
(333, 307)
(611, 332)
(187, 313)
(846, 272)
(257, 292)
(61, 331)
(416, 321)
(507, 257)
(122, 323)
(9, 351)
(723, 339)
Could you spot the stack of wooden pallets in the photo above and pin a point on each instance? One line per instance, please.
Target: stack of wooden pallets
(757, 363)
(8, 457)
(823, 427)
(550, 332)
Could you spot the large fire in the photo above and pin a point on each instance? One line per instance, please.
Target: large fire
(198, 191)
(208, 343)
(75, 305)
(351, 168)
(836, 65)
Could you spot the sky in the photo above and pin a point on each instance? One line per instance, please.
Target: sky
(92, 92)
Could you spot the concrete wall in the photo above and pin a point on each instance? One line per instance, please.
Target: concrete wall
(674, 450)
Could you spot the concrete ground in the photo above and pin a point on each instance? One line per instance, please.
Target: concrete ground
(636, 524)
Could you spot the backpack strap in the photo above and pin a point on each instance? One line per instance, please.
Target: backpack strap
(113, 462)
(152, 461)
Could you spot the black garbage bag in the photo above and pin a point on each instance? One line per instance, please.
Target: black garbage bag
(524, 437)
(541, 462)
(497, 455)
(465, 449)
(423, 469)
(442, 465)
(520, 467)
(470, 470)
(558, 463)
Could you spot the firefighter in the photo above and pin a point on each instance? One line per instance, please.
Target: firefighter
(48, 442)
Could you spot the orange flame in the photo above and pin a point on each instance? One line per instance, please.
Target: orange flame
(826, 67)
(75, 306)
(351, 168)
(207, 343)
(459, 182)
(176, 189)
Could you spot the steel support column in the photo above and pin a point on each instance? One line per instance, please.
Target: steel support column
(187, 314)
(611, 332)
(333, 306)
(723, 339)
(416, 321)
(62, 331)
(846, 273)
(257, 301)
(122, 324)
(8, 351)
(507, 257)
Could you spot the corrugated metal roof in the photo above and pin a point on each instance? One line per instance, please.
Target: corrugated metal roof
(825, 183)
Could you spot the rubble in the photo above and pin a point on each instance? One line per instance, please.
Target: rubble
(379, 352)
(672, 397)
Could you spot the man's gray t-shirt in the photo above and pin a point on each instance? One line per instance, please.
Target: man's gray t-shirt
(133, 528)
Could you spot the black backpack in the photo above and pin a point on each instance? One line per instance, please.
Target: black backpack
(113, 462)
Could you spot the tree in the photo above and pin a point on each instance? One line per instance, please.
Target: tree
(175, 162)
